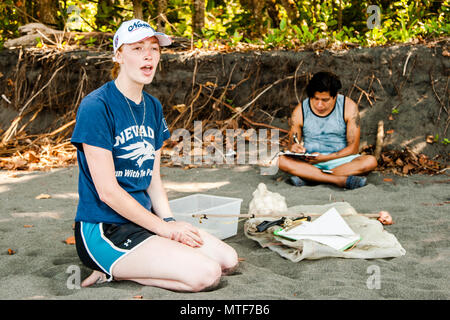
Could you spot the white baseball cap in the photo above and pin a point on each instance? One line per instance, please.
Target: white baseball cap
(135, 30)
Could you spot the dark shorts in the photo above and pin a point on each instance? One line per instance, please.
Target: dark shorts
(101, 245)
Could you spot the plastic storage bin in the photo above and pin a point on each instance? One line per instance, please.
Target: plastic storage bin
(222, 228)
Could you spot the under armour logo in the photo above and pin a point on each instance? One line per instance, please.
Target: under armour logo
(127, 243)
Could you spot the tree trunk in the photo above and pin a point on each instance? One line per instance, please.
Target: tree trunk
(198, 17)
(256, 7)
(47, 12)
(138, 10)
(160, 22)
(291, 9)
(272, 12)
(340, 15)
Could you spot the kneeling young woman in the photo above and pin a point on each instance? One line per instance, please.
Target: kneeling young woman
(124, 227)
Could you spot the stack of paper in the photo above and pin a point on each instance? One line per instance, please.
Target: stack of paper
(329, 229)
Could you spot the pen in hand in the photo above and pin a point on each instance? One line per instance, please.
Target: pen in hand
(302, 149)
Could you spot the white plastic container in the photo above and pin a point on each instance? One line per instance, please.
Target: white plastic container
(222, 228)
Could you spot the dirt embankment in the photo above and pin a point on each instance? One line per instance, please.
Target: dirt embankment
(406, 86)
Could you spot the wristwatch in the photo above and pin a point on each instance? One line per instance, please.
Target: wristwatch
(169, 219)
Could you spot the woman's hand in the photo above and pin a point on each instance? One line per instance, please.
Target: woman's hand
(182, 232)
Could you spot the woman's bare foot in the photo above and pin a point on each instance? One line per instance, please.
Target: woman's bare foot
(95, 277)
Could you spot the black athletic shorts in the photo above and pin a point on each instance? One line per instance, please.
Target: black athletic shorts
(101, 245)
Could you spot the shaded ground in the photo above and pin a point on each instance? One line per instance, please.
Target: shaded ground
(419, 205)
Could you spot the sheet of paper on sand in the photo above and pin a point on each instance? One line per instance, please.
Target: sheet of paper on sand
(329, 229)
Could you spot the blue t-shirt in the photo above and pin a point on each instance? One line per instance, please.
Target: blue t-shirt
(104, 120)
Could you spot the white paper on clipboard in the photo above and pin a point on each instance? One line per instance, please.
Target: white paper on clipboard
(329, 229)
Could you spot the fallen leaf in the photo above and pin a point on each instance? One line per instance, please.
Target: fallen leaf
(138, 297)
(241, 259)
(180, 108)
(11, 252)
(446, 53)
(31, 157)
(70, 240)
(430, 139)
(189, 166)
(387, 179)
(391, 117)
(210, 84)
(17, 163)
(43, 196)
(385, 158)
(28, 226)
(407, 168)
(390, 131)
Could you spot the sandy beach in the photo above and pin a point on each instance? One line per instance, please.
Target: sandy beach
(37, 266)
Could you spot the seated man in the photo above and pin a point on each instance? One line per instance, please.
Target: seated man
(328, 124)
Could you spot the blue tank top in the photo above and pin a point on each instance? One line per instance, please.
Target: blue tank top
(324, 134)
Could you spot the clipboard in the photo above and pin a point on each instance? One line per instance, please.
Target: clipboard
(329, 229)
(297, 155)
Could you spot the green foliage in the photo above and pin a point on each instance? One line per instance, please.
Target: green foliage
(444, 141)
(234, 22)
(9, 21)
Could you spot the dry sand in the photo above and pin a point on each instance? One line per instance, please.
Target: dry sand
(419, 205)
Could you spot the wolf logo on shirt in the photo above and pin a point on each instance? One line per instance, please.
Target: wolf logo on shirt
(142, 151)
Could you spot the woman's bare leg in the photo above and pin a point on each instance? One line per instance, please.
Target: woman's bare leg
(219, 251)
(214, 251)
(169, 264)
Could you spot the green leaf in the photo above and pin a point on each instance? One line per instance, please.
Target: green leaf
(283, 24)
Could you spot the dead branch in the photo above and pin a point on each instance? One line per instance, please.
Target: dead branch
(12, 129)
(380, 137)
(349, 93)
(437, 96)
(247, 119)
(406, 62)
(295, 82)
(259, 95)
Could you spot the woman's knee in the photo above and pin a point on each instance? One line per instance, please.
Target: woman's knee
(230, 260)
(207, 276)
